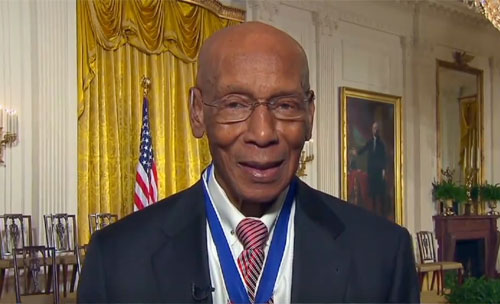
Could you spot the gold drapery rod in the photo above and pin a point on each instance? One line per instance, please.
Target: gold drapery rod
(146, 85)
(220, 9)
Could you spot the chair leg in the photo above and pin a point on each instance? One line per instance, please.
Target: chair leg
(2, 277)
(65, 278)
(436, 277)
(432, 281)
(48, 283)
(30, 278)
(441, 274)
(7, 280)
(73, 278)
(421, 277)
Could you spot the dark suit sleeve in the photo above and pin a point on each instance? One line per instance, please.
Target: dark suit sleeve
(364, 148)
(384, 155)
(91, 287)
(405, 287)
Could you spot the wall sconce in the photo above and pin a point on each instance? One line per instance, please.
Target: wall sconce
(307, 155)
(12, 127)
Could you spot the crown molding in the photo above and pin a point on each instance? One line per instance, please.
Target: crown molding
(456, 10)
(326, 22)
(343, 13)
(266, 10)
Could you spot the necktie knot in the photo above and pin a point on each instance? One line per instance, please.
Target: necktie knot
(252, 233)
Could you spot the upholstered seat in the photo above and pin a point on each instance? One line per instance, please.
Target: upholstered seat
(451, 265)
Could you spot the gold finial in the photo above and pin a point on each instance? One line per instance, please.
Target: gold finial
(470, 176)
(146, 85)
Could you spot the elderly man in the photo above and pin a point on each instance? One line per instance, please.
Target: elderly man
(249, 231)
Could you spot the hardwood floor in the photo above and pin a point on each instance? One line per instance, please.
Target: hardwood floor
(430, 296)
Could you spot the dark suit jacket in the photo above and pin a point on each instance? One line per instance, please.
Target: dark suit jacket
(376, 159)
(342, 253)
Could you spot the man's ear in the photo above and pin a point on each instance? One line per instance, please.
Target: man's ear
(196, 112)
(310, 120)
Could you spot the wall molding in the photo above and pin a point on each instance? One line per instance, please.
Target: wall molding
(458, 12)
(326, 22)
(266, 10)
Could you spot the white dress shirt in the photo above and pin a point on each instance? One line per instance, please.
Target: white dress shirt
(229, 217)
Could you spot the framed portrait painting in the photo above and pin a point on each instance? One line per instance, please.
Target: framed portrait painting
(372, 155)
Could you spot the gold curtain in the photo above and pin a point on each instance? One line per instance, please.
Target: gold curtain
(469, 136)
(119, 41)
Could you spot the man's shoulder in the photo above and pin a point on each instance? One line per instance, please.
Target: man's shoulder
(156, 218)
(354, 218)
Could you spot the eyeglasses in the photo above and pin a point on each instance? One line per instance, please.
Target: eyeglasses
(236, 108)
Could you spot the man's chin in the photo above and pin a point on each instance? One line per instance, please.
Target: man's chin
(262, 196)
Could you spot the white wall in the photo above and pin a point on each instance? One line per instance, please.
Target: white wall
(38, 80)
(389, 47)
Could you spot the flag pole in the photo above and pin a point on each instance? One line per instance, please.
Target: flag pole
(146, 186)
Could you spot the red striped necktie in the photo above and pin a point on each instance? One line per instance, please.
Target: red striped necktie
(253, 235)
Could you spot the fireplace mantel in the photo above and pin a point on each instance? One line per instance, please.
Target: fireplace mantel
(450, 229)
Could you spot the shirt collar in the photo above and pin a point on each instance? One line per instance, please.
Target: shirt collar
(230, 216)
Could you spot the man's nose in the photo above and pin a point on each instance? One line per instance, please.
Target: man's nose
(261, 127)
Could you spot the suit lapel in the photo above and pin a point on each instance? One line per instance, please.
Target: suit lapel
(320, 266)
(181, 263)
(321, 263)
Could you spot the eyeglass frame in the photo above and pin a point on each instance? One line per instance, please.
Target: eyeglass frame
(310, 97)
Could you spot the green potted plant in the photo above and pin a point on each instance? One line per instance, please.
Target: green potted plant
(474, 193)
(447, 191)
(474, 290)
(460, 194)
(490, 194)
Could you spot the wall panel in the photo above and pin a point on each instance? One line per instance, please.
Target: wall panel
(38, 80)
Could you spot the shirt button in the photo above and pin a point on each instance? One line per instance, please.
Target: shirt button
(232, 232)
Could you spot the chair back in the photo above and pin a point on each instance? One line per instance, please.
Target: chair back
(98, 221)
(426, 247)
(80, 251)
(61, 232)
(15, 232)
(35, 272)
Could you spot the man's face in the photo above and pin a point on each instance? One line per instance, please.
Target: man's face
(375, 129)
(256, 159)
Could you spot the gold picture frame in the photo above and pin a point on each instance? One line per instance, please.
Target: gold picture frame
(372, 152)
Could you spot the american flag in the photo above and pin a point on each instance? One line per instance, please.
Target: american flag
(146, 178)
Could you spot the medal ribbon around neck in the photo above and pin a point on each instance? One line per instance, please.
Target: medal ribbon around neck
(234, 284)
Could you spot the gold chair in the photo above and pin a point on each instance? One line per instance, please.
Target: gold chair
(15, 232)
(429, 262)
(98, 221)
(33, 267)
(61, 234)
(425, 268)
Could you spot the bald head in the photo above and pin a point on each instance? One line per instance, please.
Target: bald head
(251, 41)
